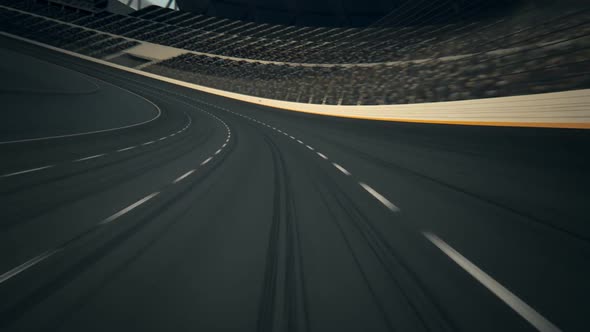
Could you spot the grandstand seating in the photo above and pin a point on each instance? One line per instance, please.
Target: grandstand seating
(496, 56)
(62, 35)
(475, 76)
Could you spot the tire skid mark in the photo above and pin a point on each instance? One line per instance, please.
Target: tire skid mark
(14, 312)
(38, 295)
(535, 221)
(283, 300)
(370, 288)
(58, 321)
(100, 155)
(118, 178)
(414, 292)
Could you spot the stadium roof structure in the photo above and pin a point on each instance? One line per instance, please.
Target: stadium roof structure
(327, 13)
(344, 13)
(299, 12)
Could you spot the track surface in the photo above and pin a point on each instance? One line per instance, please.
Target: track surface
(41, 100)
(211, 218)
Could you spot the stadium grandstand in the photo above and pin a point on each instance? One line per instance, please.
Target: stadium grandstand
(401, 58)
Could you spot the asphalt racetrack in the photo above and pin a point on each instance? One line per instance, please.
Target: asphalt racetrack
(41, 101)
(218, 215)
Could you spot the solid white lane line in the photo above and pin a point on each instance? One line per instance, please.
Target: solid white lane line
(380, 197)
(309, 147)
(159, 111)
(206, 161)
(523, 309)
(91, 157)
(148, 143)
(341, 169)
(322, 155)
(125, 149)
(217, 152)
(26, 171)
(30, 263)
(182, 177)
(129, 208)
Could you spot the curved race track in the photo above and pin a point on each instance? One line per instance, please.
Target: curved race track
(224, 216)
(42, 101)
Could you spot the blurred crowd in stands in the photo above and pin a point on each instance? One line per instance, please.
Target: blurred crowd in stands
(529, 51)
(67, 37)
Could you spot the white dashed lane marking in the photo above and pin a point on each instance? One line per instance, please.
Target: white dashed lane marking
(26, 171)
(370, 190)
(322, 155)
(379, 197)
(341, 169)
(182, 177)
(37, 259)
(206, 161)
(126, 149)
(26, 265)
(513, 301)
(91, 157)
(129, 208)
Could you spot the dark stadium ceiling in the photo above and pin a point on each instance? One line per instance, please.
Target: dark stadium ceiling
(323, 12)
(303, 12)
